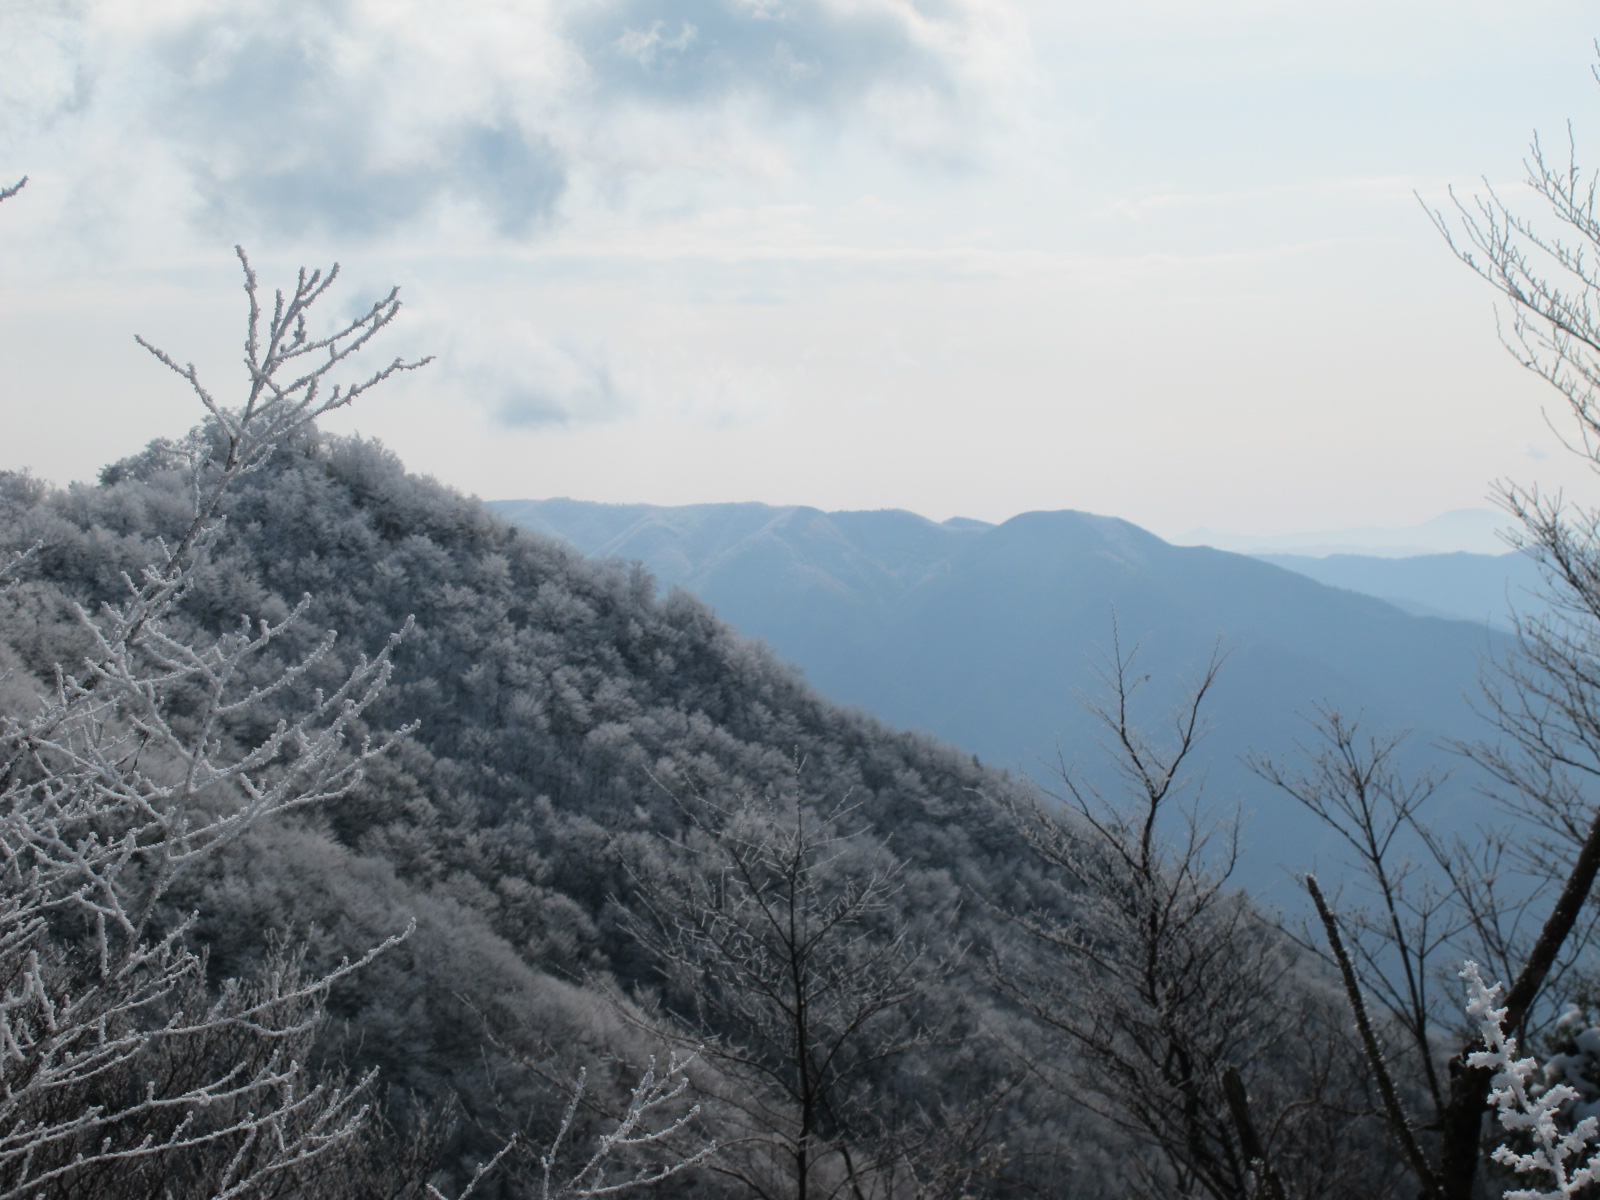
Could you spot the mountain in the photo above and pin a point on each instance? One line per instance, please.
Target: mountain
(1461, 530)
(567, 722)
(1469, 587)
(992, 636)
(592, 765)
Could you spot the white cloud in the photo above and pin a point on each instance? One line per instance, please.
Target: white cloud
(520, 377)
(358, 118)
(523, 378)
(645, 47)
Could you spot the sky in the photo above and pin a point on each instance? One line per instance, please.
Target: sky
(1159, 259)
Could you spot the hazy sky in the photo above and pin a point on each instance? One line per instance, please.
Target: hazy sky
(1161, 260)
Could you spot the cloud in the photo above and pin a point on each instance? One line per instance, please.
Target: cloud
(525, 380)
(808, 53)
(357, 118)
(308, 120)
(40, 70)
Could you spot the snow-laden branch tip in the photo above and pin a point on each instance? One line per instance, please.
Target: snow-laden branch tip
(612, 1167)
(1527, 1110)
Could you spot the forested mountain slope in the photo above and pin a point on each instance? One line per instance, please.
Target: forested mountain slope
(992, 636)
(567, 717)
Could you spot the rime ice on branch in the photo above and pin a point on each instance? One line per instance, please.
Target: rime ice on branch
(117, 1061)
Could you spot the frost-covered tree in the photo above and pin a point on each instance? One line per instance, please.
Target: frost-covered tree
(1550, 1149)
(127, 1067)
(122, 1065)
(774, 924)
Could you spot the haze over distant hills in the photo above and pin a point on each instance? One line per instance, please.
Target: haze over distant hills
(990, 636)
(1470, 587)
(1456, 565)
(1461, 530)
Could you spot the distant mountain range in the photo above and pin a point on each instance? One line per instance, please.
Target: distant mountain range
(991, 636)
(1469, 587)
(1461, 530)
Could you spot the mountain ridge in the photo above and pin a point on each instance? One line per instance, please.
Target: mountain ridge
(992, 636)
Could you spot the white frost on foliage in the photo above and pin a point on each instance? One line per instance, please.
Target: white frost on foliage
(1529, 1110)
